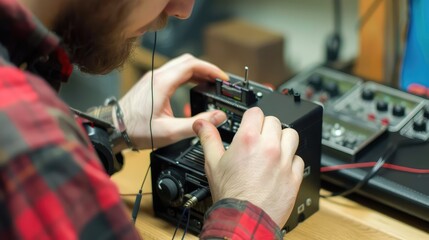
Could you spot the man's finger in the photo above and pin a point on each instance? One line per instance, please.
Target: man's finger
(210, 140)
(183, 68)
(253, 120)
(272, 129)
(289, 145)
(298, 166)
(182, 127)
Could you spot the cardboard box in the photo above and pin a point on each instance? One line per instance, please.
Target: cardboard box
(234, 44)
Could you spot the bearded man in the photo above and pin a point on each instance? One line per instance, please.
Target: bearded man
(52, 183)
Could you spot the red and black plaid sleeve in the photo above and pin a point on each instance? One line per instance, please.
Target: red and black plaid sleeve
(236, 219)
(52, 185)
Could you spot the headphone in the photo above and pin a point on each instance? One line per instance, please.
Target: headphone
(100, 133)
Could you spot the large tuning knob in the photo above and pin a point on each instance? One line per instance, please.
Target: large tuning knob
(169, 188)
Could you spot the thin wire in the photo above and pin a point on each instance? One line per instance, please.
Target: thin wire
(151, 90)
(395, 167)
(133, 194)
(381, 162)
(136, 207)
(152, 106)
(178, 223)
(187, 224)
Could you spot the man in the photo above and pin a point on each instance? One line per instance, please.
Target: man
(52, 184)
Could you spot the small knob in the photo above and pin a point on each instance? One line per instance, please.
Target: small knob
(315, 81)
(337, 130)
(426, 112)
(332, 89)
(367, 94)
(297, 97)
(419, 125)
(398, 110)
(382, 106)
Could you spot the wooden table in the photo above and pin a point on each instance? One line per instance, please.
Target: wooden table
(338, 218)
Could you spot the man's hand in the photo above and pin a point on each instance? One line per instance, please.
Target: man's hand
(167, 129)
(260, 165)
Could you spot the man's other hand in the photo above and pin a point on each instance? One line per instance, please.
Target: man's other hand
(167, 129)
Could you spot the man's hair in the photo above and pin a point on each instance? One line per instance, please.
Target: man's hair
(92, 33)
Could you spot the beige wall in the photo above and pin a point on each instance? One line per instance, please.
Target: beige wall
(305, 24)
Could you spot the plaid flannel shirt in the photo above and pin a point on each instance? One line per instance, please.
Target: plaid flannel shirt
(52, 185)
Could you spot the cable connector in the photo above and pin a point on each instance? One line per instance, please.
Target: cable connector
(196, 196)
(136, 207)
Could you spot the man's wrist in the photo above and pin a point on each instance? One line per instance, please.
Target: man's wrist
(118, 120)
(111, 112)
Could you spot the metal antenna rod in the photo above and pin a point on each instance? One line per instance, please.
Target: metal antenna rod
(246, 76)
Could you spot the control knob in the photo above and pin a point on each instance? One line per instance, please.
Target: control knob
(426, 112)
(332, 89)
(419, 125)
(382, 106)
(338, 132)
(368, 94)
(315, 81)
(170, 188)
(398, 110)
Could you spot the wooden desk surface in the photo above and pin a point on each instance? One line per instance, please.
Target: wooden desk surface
(338, 218)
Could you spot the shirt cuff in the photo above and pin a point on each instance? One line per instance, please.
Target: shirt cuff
(232, 218)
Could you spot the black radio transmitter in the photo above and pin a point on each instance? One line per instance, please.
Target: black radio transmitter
(178, 169)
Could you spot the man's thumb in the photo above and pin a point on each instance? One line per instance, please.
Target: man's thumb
(210, 140)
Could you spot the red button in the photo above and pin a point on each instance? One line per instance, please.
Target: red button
(323, 98)
(385, 121)
(285, 91)
(371, 117)
(309, 92)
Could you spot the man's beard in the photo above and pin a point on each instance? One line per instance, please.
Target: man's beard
(94, 39)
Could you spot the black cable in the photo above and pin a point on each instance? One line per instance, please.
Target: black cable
(187, 224)
(374, 170)
(368, 13)
(136, 206)
(387, 154)
(151, 89)
(178, 223)
(133, 194)
(137, 202)
(194, 197)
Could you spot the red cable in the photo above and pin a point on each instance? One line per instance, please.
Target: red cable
(371, 164)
